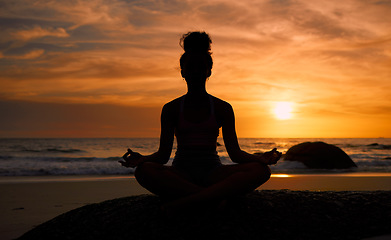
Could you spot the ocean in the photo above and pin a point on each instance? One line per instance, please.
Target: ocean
(99, 156)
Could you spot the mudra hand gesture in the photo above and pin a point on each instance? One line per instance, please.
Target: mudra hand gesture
(271, 157)
(132, 159)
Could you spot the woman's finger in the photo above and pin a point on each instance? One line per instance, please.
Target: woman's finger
(129, 152)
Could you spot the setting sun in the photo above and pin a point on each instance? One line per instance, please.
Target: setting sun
(283, 110)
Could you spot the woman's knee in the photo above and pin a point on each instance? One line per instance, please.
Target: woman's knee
(145, 170)
(260, 171)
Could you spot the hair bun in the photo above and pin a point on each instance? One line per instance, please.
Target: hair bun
(196, 42)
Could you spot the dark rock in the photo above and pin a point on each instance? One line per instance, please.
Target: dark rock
(319, 155)
(267, 214)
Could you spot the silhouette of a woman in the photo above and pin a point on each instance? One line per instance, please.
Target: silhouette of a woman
(197, 175)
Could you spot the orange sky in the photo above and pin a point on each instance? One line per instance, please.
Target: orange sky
(104, 68)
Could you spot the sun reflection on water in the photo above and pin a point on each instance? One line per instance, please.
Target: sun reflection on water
(281, 175)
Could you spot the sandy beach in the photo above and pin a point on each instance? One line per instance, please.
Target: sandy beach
(26, 202)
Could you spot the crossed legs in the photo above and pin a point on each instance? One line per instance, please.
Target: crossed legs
(165, 181)
(225, 181)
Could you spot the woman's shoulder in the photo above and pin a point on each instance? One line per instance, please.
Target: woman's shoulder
(221, 104)
(173, 104)
(223, 111)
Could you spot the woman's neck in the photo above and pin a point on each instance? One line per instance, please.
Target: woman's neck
(196, 91)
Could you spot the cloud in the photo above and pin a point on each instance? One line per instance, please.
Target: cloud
(30, 55)
(39, 32)
(126, 52)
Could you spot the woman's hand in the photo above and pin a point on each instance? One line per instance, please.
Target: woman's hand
(271, 157)
(132, 159)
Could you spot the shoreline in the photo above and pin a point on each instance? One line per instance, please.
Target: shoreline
(363, 181)
(8, 179)
(26, 202)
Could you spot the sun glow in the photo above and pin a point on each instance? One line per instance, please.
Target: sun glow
(281, 175)
(283, 110)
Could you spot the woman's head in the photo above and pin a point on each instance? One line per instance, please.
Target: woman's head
(196, 62)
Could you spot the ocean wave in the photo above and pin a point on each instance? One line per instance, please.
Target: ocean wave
(86, 166)
(111, 167)
(20, 148)
(293, 167)
(20, 157)
(288, 165)
(60, 159)
(364, 146)
(265, 143)
(71, 150)
(374, 163)
(59, 171)
(379, 146)
(344, 145)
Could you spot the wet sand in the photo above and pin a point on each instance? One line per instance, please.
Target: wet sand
(26, 202)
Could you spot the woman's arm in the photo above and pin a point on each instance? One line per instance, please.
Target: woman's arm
(231, 141)
(133, 159)
(166, 136)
